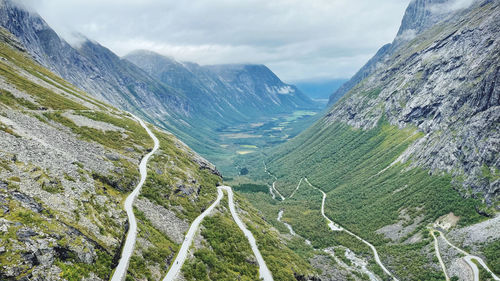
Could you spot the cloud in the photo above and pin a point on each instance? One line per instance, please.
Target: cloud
(450, 6)
(298, 39)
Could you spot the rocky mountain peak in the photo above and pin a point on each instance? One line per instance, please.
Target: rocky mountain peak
(419, 16)
(422, 14)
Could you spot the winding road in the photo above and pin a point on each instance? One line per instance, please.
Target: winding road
(280, 215)
(264, 272)
(121, 270)
(182, 255)
(438, 255)
(335, 227)
(469, 260)
(297, 188)
(273, 185)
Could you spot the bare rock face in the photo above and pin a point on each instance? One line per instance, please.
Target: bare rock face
(419, 16)
(445, 83)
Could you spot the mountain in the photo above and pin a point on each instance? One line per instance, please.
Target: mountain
(191, 107)
(68, 162)
(241, 92)
(90, 66)
(411, 146)
(420, 15)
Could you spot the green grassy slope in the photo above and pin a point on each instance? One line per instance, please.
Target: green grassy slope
(369, 191)
(364, 192)
(73, 211)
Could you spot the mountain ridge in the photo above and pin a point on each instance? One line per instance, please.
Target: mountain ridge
(418, 16)
(412, 146)
(192, 111)
(234, 84)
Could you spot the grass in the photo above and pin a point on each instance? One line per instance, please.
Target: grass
(226, 254)
(492, 253)
(364, 193)
(251, 188)
(43, 96)
(7, 98)
(483, 273)
(158, 253)
(112, 139)
(281, 260)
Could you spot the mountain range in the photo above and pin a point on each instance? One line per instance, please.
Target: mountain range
(67, 165)
(191, 101)
(398, 179)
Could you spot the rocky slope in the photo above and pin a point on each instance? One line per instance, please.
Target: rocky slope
(419, 16)
(444, 83)
(67, 163)
(89, 66)
(416, 140)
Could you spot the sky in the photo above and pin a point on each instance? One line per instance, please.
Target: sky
(300, 40)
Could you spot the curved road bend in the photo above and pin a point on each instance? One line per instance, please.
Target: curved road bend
(182, 255)
(276, 190)
(468, 258)
(438, 255)
(280, 215)
(297, 188)
(264, 272)
(274, 184)
(121, 270)
(333, 226)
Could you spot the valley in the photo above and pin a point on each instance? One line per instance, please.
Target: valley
(144, 167)
(236, 143)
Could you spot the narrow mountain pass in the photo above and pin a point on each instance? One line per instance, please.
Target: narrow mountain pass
(182, 255)
(335, 227)
(438, 255)
(121, 270)
(470, 260)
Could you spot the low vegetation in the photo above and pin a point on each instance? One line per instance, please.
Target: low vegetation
(226, 254)
(365, 189)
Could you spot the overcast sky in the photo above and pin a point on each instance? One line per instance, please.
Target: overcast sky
(297, 39)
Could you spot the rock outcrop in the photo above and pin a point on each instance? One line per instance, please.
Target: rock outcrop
(67, 161)
(419, 16)
(445, 83)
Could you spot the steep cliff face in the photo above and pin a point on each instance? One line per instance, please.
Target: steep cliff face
(90, 66)
(415, 142)
(422, 14)
(445, 83)
(419, 16)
